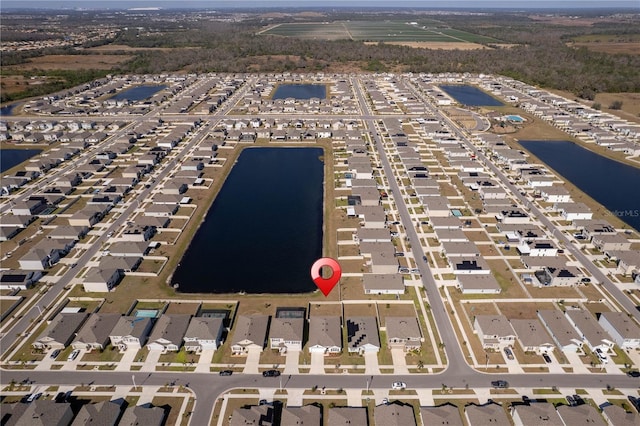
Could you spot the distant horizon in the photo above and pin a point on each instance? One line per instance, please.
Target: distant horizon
(476, 5)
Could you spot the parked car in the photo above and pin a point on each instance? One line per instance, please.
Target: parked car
(633, 373)
(263, 402)
(73, 355)
(508, 353)
(55, 354)
(571, 401)
(226, 372)
(34, 396)
(578, 399)
(271, 373)
(547, 358)
(500, 384)
(398, 385)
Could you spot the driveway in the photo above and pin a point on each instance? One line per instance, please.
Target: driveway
(253, 361)
(291, 362)
(151, 361)
(371, 363)
(399, 361)
(317, 363)
(204, 362)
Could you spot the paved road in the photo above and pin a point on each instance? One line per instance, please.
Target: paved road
(613, 290)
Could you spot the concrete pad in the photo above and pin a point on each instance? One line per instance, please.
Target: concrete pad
(127, 359)
(354, 397)
(371, 363)
(317, 363)
(295, 397)
(292, 360)
(575, 362)
(253, 360)
(204, 362)
(151, 361)
(399, 361)
(425, 396)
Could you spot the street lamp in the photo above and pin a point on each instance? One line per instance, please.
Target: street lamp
(133, 379)
(39, 310)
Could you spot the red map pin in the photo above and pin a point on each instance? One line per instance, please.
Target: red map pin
(326, 284)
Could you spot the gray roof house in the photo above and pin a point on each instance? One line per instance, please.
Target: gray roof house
(536, 414)
(494, 331)
(104, 413)
(394, 415)
(617, 416)
(94, 334)
(591, 331)
(168, 333)
(140, 415)
(61, 331)
(43, 412)
(487, 414)
(532, 335)
(131, 332)
(347, 416)
(286, 334)
(404, 332)
(325, 334)
(562, 332)
(203, 333)
(101, 280)
(622, 329)
(250, 332)
(362, 334)
(305, 415)
(446, 414)
(581, 414)
(258, 415)
(383, 283)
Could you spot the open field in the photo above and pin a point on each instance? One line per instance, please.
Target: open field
(72, 62)
(631, 48)
(387, 31)
(437, 45)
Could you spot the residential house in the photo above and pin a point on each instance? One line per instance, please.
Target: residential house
(101, 280)
(286, 334)
(203, 333)
(141, 415)
(325, 335)
(306, 415)
(362, 334)
(61, 331)
(573, 211)
(404, 332)
(41, 412)
(383, 283)
(38, 259)
(445, 414)
(16, 279)
(131, 332)
(494, 331)
(395, 414)
(258, 415)
(591, 331)
(580, 414)
(103, 413)
(562, 332)
(622, 329)
(347, 416)
(478, 284)
(617, 416)
(536, 414)
(611, 242)
(250, 332)
(94, 334)
(532, 335)
(490, 413)
(168, 333)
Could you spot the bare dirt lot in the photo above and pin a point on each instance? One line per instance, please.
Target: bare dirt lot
(73, 62)
(631, 48)
(437, 45)
(18, 83)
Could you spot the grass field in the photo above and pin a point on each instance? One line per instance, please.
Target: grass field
(387, 31)
(72, 62)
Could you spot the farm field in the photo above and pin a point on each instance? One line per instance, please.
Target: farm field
(387, 31)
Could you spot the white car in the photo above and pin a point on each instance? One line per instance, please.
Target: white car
(398, 385)
(73, 355)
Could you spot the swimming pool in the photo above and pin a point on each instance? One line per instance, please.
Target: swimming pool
(146, 313)
(456, 212)
(515, 118)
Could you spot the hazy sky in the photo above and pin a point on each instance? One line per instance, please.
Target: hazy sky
(475, 4)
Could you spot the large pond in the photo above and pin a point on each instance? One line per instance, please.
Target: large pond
(138, 93)
(264, 229)
(300, 91)
(12, 157)
(611, 183)
(7, 109)
(470, 96)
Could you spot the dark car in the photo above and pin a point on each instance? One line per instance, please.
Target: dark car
(271, 373)
(547, 358)
(500, 384)
(226, 372)
(578, 399)
(633, 373)
(571, 400)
